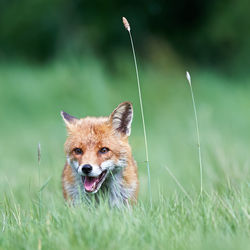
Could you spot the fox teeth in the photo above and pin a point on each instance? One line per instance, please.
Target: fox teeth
(94, 186)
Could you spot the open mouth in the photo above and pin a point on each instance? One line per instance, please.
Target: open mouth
(92, 184)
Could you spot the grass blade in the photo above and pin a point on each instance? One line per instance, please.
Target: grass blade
(197, 131)
(44, 184)
(179, 184)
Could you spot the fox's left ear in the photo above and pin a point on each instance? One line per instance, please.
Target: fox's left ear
(68, 119)
(122, 117)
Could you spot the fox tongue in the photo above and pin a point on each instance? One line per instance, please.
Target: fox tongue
(90, 183)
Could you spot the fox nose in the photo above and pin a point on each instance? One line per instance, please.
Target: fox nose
(86, 169)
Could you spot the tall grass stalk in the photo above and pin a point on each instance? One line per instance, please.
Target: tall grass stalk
(197, 131)
(39, 177)
(127, 27)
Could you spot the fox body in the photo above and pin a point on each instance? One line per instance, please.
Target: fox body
(99, 158)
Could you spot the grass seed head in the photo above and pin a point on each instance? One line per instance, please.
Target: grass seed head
(188, 77)
(126, 24)
(39, 153)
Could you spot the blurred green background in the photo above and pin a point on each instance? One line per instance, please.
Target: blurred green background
(76, 56)
(213, 33)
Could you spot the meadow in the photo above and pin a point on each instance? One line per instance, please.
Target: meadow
(31, 98)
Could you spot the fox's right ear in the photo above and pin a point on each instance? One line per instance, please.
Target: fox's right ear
(68, 119)
(122, 117)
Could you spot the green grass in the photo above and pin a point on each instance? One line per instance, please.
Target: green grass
(31, 98)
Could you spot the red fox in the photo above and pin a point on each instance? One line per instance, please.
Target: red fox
(99, 158)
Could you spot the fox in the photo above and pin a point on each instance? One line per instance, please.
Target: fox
(99, 158)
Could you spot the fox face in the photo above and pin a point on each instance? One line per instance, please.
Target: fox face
(97, 147)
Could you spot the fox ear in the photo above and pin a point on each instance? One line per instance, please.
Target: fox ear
(122, 117)
(68, 119)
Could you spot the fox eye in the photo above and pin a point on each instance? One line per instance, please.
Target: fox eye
(78, 151)
(104, 150)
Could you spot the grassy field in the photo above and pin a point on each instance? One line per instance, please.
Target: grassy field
(31, 98)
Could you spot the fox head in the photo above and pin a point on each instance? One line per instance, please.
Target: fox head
(98, 146)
